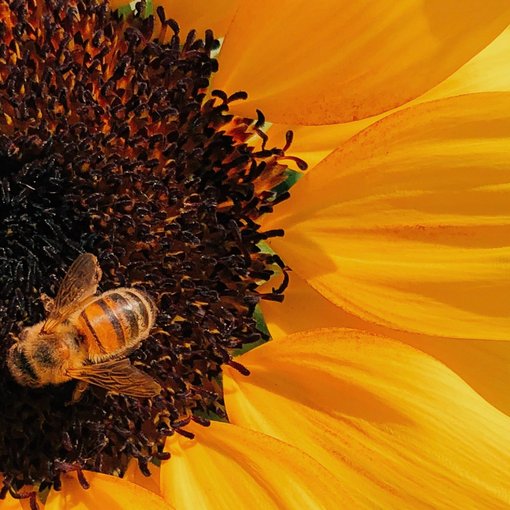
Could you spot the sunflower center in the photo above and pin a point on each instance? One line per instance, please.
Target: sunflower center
(110, 144)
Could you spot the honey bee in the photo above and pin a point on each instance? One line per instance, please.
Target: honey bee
(86, 337)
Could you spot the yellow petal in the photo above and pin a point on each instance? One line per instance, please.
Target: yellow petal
(325, 62)
(134, 475)
(396, 426)
(303, 308)
(24, 504)
(407, 224)
(9, 503)
(483, 364)
(106, 492)
(486, 72)
(313, 143)
(228, 467)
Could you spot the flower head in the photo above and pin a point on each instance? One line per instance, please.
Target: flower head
(109, 145)
(114, 141)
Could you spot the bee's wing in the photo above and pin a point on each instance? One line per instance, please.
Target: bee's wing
(118, 376)
(79, 283)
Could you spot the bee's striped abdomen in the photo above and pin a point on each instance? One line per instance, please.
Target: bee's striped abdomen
(115, 321)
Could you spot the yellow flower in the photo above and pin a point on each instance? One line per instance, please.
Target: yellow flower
(398, 245)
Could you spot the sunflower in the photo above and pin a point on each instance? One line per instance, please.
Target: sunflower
(385, 382)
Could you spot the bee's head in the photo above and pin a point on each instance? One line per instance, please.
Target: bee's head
(20, 366)
(35, 356)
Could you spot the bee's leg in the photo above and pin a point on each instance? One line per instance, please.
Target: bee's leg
(47, 302)
(80, 388)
